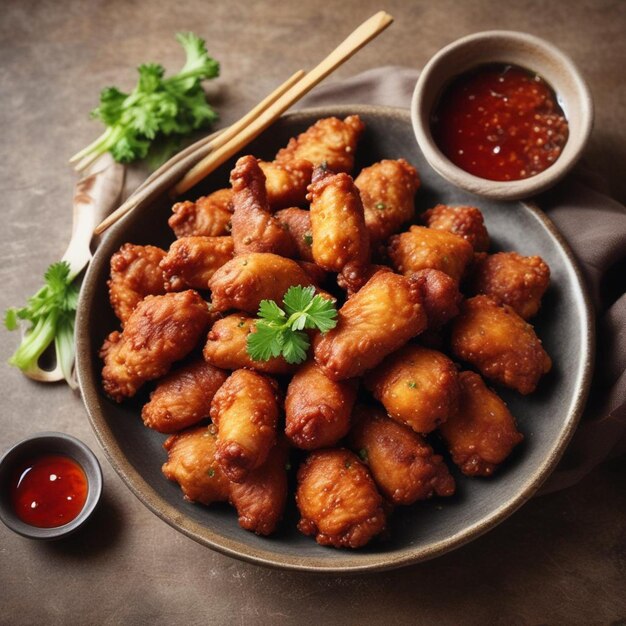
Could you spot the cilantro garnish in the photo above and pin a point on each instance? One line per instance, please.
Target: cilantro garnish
(156, 109)
(280, 332)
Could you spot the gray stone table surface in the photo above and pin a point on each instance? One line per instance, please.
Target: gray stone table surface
(559, 560)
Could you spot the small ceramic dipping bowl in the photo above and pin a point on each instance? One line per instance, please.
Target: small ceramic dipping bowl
(507, 48)
(44, 445)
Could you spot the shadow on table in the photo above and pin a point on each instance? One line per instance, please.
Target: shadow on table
(99, 534)
(543, 561)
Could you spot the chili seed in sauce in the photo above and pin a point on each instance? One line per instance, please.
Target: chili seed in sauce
(49, 491)
(500, 122)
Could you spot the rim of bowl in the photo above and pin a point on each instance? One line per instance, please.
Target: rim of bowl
(540, 54)
(49, 442)
(266, 557)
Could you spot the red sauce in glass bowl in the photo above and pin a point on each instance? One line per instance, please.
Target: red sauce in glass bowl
(49, 491)
(500, 122)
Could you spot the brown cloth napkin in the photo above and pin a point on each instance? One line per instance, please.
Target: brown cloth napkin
(595, 227)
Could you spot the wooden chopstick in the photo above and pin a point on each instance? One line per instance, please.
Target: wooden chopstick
(191, 154)
(367, 31)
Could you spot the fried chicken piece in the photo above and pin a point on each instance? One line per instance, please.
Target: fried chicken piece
(419, 387)
(260, 499)
(191, 261)
(499, 343)
(286, 182)
(208, 216)
(183, 397)
(316, 273)
(329, 140)
(298, 223)
(247, 279)
(338, 500)
(135, 274)
(442, 297)
(351, 282)
(340, 237)
(160, 331)
(387, 190)
(226, 347)
(254, 228)
(425, 248)
(513, 279)
(466, 221)
(191, 463)
(245, 411)
(482, 433)
(317, 409)
(403, 465)
(374, 322)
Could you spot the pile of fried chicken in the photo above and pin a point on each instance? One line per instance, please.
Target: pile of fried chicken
(373, 388)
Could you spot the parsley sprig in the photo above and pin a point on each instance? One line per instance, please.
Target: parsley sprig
(280, 332)
(158, 108)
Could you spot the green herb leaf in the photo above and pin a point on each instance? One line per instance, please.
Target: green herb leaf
(280, 332)
(296, 344)
(51, 313)
(265, 342)
(158, 107)
(270, 311)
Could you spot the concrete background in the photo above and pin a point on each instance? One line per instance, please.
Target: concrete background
(559, 560)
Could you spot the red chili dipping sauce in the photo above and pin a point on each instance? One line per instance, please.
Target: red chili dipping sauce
(49, 491)
(500, 122)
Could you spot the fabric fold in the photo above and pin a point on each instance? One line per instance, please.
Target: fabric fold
(594, 225)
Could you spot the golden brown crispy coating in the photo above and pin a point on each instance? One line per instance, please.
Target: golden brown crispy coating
(513, 279)
(499, 343)
(247, 279)
(191, 463)
(286, 182)
(340, 237)
(425, 248)
(245, 411)
(135, 274)
(160, 331)
(316, 273)
(317, 409)
(482, 433)
(254, 228)
(352, 281)
(183, 397)
(403, 465)
(226, 347)
(338, 500)
(191, 261)
(387, 190)
(442, 297)
(329, 140)
(260, 499)
(208, 216)
(298, 223)
(419, 387)
(373, 323)
(466, 221)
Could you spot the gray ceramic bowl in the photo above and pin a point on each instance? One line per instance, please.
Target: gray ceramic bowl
(416, 533)
(49, 443)
(499, 46)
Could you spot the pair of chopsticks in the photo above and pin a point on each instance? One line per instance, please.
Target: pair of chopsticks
(214, 151)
